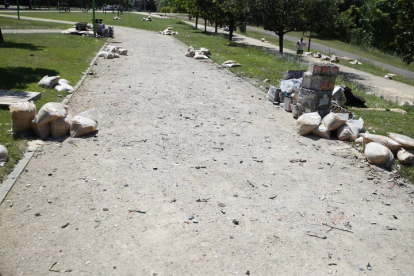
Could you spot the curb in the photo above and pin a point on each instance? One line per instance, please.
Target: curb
(7, 185)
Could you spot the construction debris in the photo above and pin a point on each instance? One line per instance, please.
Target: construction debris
(149, 18)
(202, 53)
(22, 114)
(390, 76)
(355, 62)
(111, 52)
(86, 29)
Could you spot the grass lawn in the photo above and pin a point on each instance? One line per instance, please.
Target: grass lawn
(13, 24)
(21, 71)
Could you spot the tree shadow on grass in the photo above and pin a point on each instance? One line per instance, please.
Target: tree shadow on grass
(19, 45)
(13, 78)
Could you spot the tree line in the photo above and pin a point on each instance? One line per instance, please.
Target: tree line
(386, 25)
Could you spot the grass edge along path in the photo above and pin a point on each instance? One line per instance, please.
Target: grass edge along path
(21, 71)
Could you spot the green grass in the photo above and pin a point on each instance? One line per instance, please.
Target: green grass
(21, 71)
(13, 24)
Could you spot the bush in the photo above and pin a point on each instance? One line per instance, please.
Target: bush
(167, 9)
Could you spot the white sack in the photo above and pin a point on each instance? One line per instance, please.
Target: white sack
(406, 156)
(378, 154)
(3, 155)
(50, 112)
(48, 82)
(22, 114)
(60, 127)
(403, 140)
(64, 86)
(322, 132)
(350, 130)
(308, 122)
(333, 121)
(338, 94)
(198, 56)
(391, 144)
(42, 131)
(84, 123)
(123, 52)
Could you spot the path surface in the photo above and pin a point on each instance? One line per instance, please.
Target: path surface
(179, 138)
(31, 31)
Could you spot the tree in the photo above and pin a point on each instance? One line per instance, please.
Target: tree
(1, 37)
(235, 13)
(389, 26)
(280, 16)
(319, 20)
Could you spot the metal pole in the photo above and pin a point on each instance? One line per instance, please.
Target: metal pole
(18, 9)
(93, 15)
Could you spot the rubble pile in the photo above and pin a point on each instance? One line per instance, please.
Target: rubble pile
(168, 31)
(86, 29)
(111, 52)
(316, 102)
(56, 82)
(53, 119)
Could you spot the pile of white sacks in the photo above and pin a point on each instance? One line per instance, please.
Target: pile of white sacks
(168, 31)
(53, 119)
(202, 53)
(379, 150)
(55, 82)
(111, 52)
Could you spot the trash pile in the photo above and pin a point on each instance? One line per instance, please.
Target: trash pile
(111, 52)
(149, 18)
(56, 82)
(86, 29)
(333, 58)
(355, 62)
(116, 18)
(52, 119)
(202, 53)
(4, 155)
(168, 31)
(316, 102)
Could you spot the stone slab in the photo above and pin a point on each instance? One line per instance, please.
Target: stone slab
(8, 97)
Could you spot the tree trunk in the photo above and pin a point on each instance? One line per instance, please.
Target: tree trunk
(216, 27)
(205, 25)
(231, 28)
(196, 26)
(310, 37)
(281, 34)
(1, 37)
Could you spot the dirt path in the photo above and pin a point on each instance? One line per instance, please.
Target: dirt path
(31, 31)
(181, 138)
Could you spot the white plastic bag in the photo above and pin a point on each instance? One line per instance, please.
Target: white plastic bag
(3, 155)
(403, 140)
(391, 144)
(230, 63)
(60, 127)
(350, 130)
(42, 131)
(49, 82)
(322, 131)
(204, 51)
(378, 154)
(123, 52)
(288, 86)
(84, 123)
(308, 122)
(198, 56)
(50, 112)
(22, 114)
(406, 156)
(190, 53)
(333, 121)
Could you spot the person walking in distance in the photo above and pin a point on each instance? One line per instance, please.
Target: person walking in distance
(299, 47)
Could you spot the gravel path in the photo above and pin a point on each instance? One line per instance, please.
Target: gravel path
(226, 185)
(31, 31)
